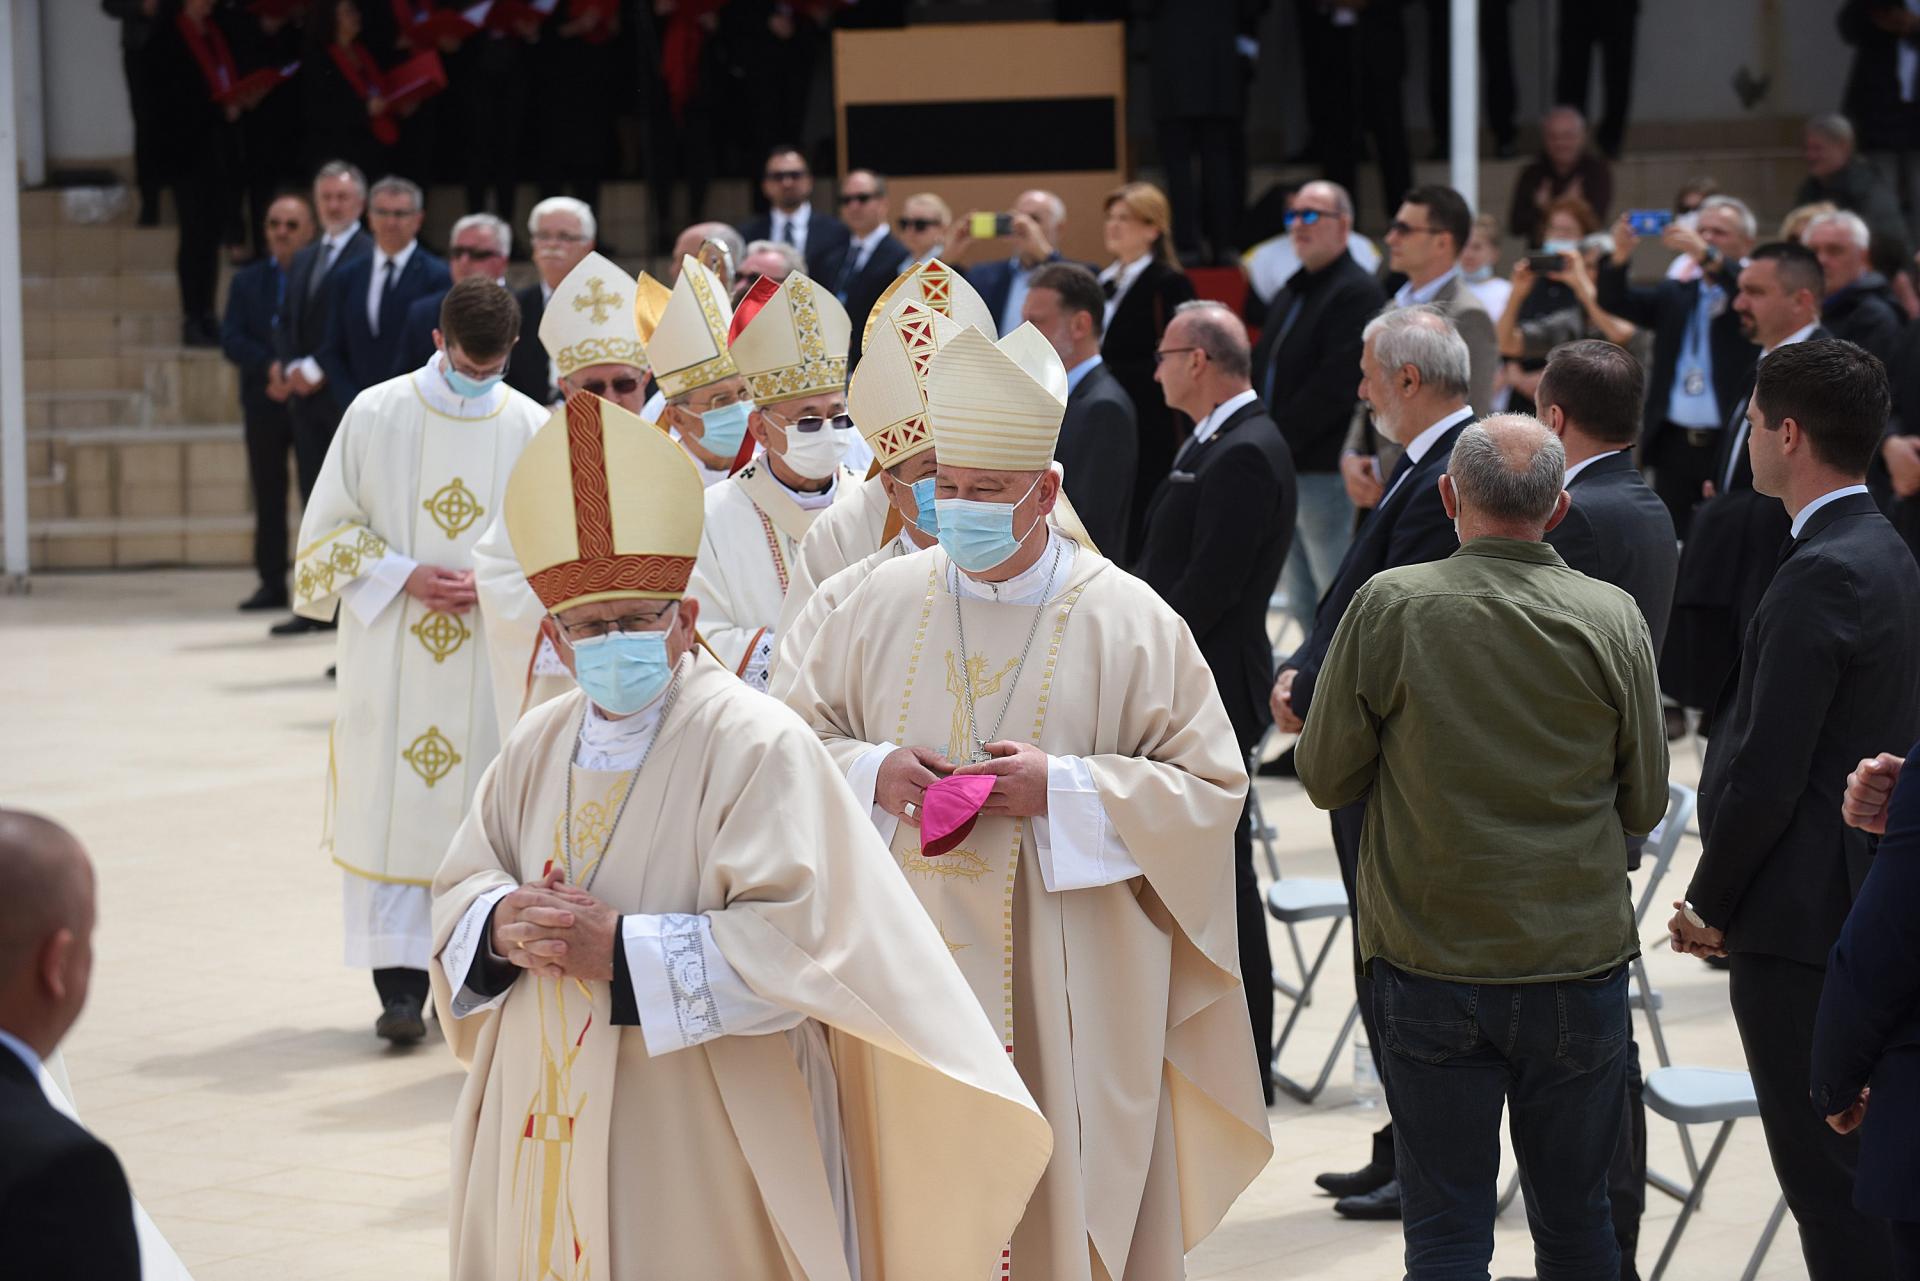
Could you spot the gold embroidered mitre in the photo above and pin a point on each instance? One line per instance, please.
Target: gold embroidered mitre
(688, 344)
(938, 287)
(795, 345)
(888, 397)
(590, 319)
(997, 406)
(603, 506)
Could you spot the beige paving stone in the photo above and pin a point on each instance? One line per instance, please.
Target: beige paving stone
(228, 1056)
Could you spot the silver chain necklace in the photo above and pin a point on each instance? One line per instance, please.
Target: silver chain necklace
(633, 779)
(976, 745)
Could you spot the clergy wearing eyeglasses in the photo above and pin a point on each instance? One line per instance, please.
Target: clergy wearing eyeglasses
(708, 1031)
(1042, 745)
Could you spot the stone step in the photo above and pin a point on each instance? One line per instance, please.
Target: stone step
(92, 250)
(108, 291)
(200, 541)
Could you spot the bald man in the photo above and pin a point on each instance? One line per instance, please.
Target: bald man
(65, 1209)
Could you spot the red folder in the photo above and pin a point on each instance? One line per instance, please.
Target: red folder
(511, 15)
(414, 81)
(441, 24)
(257, 84)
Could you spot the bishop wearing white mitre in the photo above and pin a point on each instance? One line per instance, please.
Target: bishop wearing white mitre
(709, 1032)
(1091, 904)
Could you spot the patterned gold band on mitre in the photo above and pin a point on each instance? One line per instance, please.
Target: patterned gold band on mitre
(811, 378)
(694, 377)
(599, 351)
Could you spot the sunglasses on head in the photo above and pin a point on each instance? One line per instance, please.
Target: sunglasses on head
(618, 386)
(459, 252)
(858, 197)
(1305, 217)
(917, 224)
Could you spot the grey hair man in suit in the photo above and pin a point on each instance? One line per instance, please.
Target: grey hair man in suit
(1097, 445)
(1829, 675)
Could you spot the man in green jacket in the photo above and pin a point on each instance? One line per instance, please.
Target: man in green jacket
(1500, 714)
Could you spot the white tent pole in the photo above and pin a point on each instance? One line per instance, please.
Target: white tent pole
(1463, 141)
(13, 404)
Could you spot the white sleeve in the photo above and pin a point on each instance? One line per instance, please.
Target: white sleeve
(456, 959)
(373, 591)
(1076, 844)
(311, 368)
(685, 991)
(863, 776)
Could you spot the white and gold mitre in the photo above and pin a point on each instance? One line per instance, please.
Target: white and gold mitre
(590, 319)
(997, 406)
(603, 506)
(888, 397)
(937, 287)
(686, 341)
(794, 343)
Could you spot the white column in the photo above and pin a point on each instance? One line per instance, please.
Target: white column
(13, 404)
(1463, 141)
(30, 85)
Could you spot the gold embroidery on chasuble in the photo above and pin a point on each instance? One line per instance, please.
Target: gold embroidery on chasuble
(551, 1248)
(441, 634)
(454, 508)
(335, 561)
(432, 755)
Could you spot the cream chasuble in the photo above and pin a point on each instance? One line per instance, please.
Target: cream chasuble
(747, 550)
(844, 534)
(525, 668)
(580, 1156)
(1121, 1003)
(799, 627)
(412, 477)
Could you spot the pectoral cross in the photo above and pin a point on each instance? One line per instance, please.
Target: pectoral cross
(597, 298)
(960, 744)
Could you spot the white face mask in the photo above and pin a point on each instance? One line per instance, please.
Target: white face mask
(817, 454)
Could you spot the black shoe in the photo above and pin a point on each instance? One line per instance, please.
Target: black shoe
(1376, 1174)
(333, 671)
(265, 598)
(199, 333)
(1676, 720)
(1381, 1203)
(1280, 766)
(402, 1022)
(299, 626)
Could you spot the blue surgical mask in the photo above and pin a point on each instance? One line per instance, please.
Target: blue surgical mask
(1561, 247)
(1479, 275)
(723, 429)
(622, 672)
(927, 507)
(978, 535)
(471, 388)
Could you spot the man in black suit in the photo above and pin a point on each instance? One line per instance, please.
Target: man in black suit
(1868, 1029)
(65, 1209)
(1036, 219)
(563, 232)
(370, 296)
(339, 198)
(1616, 530)
(1701, 362)
(1097, 445)
(873, 257)
(1303, 370)
(1217, 533)
(1859, 305)
(1734, 542)
(1829, 674)
(1414, 375)
(479, 246)
(787, 182)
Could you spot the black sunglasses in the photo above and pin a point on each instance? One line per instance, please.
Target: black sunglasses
(620, 386)
(807, 426)
(786, 175)
(859, 197)
(917, 224)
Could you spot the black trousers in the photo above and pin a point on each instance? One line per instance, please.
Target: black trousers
(1347, 822)
(269, 432)
(206, 201)
(1680, 466)
(399, 981)
(1585, 25)
(1256, 952)
(1906, 1250)
(1212, 206)
(1774, 1001)
(1496, 67)
(146, 169)
(1370, 61)
(313, 419)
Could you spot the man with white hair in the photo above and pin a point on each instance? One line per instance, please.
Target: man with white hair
(1414, 371)
(562, 230)
(1859, 305)
(769, 258)
(1837, 174)
(1044, 750)
(1496, 923)
(479, 246)
(1037, 217)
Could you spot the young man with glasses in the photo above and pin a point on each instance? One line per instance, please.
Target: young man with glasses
(874, 256)
(791, 219)
(414, 475)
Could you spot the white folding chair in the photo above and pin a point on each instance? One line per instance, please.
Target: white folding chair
(1706, 1096)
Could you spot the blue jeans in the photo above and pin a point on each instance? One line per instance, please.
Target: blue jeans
(1555, 1055)
(1322, 528)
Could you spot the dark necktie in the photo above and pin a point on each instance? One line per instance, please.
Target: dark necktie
(1786, 549)
(1109, 287)
(380, 295)
(787, 232)
(1400, 469)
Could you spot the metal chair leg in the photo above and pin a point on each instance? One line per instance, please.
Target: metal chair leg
(1671, 1188)
(1307, 1094)
(1693, 1198)
(1766, 1240)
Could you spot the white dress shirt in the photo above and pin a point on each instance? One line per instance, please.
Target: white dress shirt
(1422, 443)
(800, 219)
(1832, 495)
(1740, 428)
(1122, 276)
(860, 250)
(375, 293)
(1408, 295)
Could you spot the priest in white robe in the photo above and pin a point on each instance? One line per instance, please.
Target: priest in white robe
(414, 474)
(1091, 904)
(790, 345)
(703, 400)
(593, 341)
(709, 1032)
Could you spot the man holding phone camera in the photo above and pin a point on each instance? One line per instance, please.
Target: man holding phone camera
(1034, 227)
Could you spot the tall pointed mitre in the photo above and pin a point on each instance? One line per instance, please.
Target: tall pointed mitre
(997, 406)
(937, 287)
(590, 319)
(688, 343)
(650, 299)
(888, 398)
(603, 506)
(795, 343)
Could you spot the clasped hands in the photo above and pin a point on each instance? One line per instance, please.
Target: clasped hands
(1019, 787)
(556, 930)
(449, 591)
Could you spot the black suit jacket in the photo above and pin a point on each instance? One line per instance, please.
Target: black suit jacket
(1128, 347)
(1868, 1028)
(1308, 379)
(65, 1209)
(528, 369)
(1409, 527)
(1665, 309)
(1099, 450)
(1217, 534)
(353, 356)
(1829, 673)
(826, 243)
(303, 312)
(247, 331)
(859, 290)
(415, 347)
(1618, 531)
